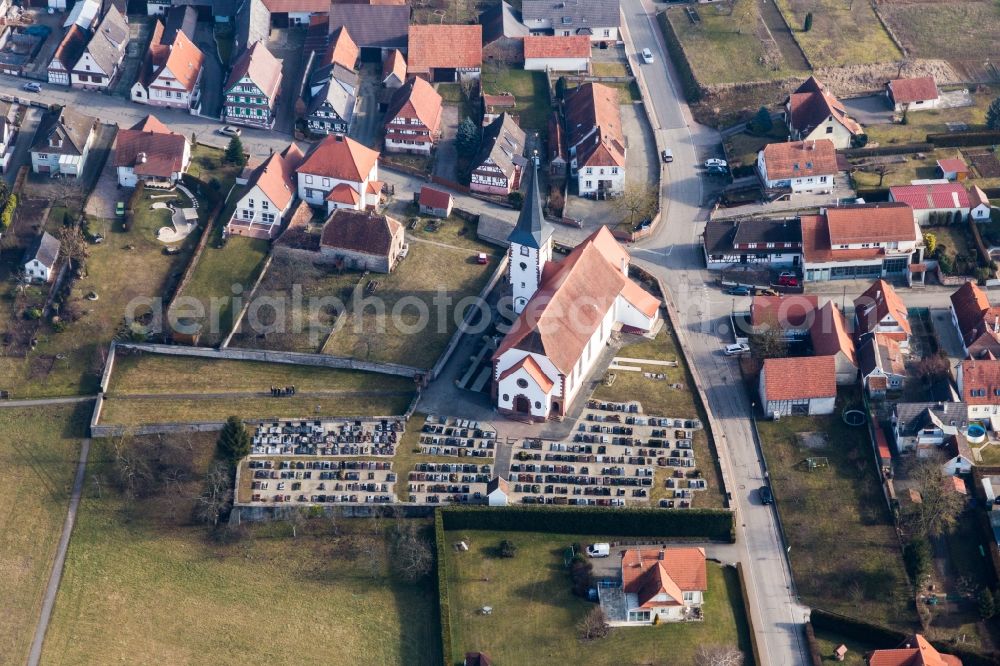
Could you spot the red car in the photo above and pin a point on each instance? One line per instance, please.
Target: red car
(788, 280)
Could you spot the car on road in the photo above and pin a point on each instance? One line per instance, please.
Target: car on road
(765, 495)
(737, 349)
(647, 56)
(599, 550)
(229, 130)
(667, 155)
(31, 86)
(788, 280)
(739, 291)
(715, 162)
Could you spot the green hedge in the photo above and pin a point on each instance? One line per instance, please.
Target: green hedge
(645, 522)
(692, 91)
(891, 149)
(886, 638)
(444, 599)
(961, 139)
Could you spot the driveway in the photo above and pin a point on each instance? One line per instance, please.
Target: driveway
(366, 127)
(947, 334)
(140, 33)
(102, 200)
(213, 73)
(447, 155)
(869, 110)
(22, 145)
(286, 45)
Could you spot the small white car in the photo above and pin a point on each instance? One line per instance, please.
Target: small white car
(737, 349)
(715, 162)
(647, 56)
(229, 130)
(31, 86)
(599, 550)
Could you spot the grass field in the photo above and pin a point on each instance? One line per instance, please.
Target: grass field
(842, 33)
(145, 586)
(942, 30)
(659, 399)
(933, 121)
(726, 48)
(828, 642)
(125, 271)
(532, 601)
(39, 449)
(529, 88)
(221, 273)
(409, 296)
(837, 509)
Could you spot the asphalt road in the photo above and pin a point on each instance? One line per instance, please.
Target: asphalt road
(674, 255)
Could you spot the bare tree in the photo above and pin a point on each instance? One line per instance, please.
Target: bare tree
(217, 496)
(637, 202)
(297, 519)
(374, 556)
(72, 246)
(717, 655)
(331, 519)
(594, 624)
(940, 505)
(768, 341)
(413, 558)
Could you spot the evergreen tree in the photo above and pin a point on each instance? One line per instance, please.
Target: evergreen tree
(234, 152)
(762, 123)
(234, 441)
(467, 138)
(993, 115)
(807, 26)
(987, 606)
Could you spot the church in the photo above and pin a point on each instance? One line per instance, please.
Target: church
(566, 312)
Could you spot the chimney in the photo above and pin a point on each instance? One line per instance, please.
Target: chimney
(141, 158)
(660, 555)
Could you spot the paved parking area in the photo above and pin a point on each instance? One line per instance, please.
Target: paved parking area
(869, 110)
(366, 127)
(446, 156)
(106, 193)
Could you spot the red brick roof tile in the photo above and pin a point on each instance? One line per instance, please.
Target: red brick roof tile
(919, 89)
(799, 378)
(444, 47)
(574, 46)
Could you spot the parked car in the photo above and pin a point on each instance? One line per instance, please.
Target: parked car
(481, 258)
(765, 495)
(667, 155)
(739, 291)
(788, 280)
(766, 292)
(647, 56)
(120, 209)
(599, 550)
(716, 170)
(229, 130)
(715, 162)
(737, 349)
(31, 86)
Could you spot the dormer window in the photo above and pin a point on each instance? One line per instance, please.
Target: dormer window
(55, 142)
(567, 20)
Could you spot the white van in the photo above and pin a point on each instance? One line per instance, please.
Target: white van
(599, 550)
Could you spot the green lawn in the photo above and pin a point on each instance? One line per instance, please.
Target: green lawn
(990, 455)
(828, 642)
(147, 587)
(129, 273)
(742, 148)
(39, 450)
(844, 553)
(658, 398)
(221, 273)
(208, 163)
(725, 48)
(529, 88)
(533, 604)
(842, 33)
(409, 294)
(933, 121)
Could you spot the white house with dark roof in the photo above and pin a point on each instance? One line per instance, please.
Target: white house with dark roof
(597, 19)
(567, 312)
(768, 242)
(40, 258)
(497, 167)
(98, 66)
(62, 143)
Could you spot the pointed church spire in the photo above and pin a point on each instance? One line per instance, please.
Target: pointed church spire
(531, 230)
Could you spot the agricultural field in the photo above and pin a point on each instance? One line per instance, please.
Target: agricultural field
(842, 34)
(532, 599)
(659, 397)
(39, 451)
(962, 30)
(727, 47)
(838, 508)
(149, 388)
(144, 585)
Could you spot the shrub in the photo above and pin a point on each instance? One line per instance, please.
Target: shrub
(930, 242)
(983, 274)
(33, 313)
(993, 115)
(762, 123)
(581, 573)
(234, 440)
(808, 23)
(917, 558)
(986, 604)
(515, 199)
(508, 548)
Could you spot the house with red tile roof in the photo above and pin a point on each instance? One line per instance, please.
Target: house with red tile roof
(880, 310)
(394, 69)
(171, 73)
(596, 143)
(150, 152)
(251, 91)
(799, 166)
(557, 54)
(880, 361)
(977, 321)
(339, 172)
(67, 53)
(567, 312)
(445, 53)
(914, 651)
(979, 386)
(267, 197)
(798, 386)
(435, 202)
(952, 168)
(793, 314)
(859, 241)
(658, 585)
(362, 240)
(937, 203)
(812, 112)
(914, 94)
(830, 335)
(413, 118)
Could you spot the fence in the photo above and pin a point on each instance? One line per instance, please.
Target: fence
(249, 300)
(745, 595)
